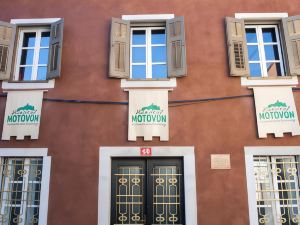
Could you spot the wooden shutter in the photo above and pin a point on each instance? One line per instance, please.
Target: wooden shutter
(119, 48)
(237, 47)
(55, 49)
(176, 47)
(291, 27)
(7, 41)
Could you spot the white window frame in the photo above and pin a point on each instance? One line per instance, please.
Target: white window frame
(104, 192)
(35, 152)
(36, 48)
(148, 45)
(48, 84)
(249, 163)
(164, 83)
(261, 50)
(265, 81)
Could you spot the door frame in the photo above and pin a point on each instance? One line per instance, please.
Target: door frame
(104, 186)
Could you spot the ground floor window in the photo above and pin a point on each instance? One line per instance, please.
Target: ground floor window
(147, 191)
(24, 180)
(275, 180)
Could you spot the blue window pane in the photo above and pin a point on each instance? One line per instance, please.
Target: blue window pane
(25, 73)
(138, 55)
(274, 69)
(138, 37)
(29, 40)
(255, 70)
(42, 71)
(158, 37)
(269, 35)
(159, 71)
(45, 39)
(253, 52)
(271, 52)
(138, 72)
(159, 54)
(251, 35)
(43, 57)
(27, 57)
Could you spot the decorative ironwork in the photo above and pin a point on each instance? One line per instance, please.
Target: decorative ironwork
(20, 190)
(277, 190)
(129, 195)
(166, 195)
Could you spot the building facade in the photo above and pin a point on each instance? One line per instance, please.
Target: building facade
(157, 112)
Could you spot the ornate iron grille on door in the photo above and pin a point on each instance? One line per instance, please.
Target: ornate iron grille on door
(277, 190)
(147, 191)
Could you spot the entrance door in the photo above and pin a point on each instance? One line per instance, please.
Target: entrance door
(147, 191)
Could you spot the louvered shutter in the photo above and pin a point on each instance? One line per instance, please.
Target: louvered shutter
(237, 47)
(119, 48)
(291, 27)
(7, 40)
(176, 47)
(55, 49)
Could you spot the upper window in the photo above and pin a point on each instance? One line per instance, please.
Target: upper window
(264, 51)
(148, 53)
(37, 50)
(147, 50)
(32, 56)
(257, 49)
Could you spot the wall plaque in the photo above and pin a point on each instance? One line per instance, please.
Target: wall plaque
(220, 161)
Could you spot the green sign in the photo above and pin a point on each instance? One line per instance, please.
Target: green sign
(23, 115)
(277, 111)
(149, 115)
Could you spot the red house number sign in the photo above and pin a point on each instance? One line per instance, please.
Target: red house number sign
(145, 151)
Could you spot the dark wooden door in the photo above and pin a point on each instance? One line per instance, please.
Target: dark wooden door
(147, 191)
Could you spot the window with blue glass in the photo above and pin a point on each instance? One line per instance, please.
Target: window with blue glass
(264, 51)
(32, 54)
(148, 53)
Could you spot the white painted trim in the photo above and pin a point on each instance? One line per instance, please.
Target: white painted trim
(30, 85)
(292, 80)
(272, 150)
(253, 217)
(36, 21)
(24, 152)
(171, 83)
(44, 196)
(105, 155)
(267, 151)
(261, 16)
(148, 17)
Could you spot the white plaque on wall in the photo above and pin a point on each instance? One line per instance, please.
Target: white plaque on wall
(22, 114)
(275, 111)
(148, 114)
(220, 161)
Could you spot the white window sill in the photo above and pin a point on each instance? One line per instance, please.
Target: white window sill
(171, 83)
(269, 81)
(22, 86)
(148, 17)
(261, 16)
